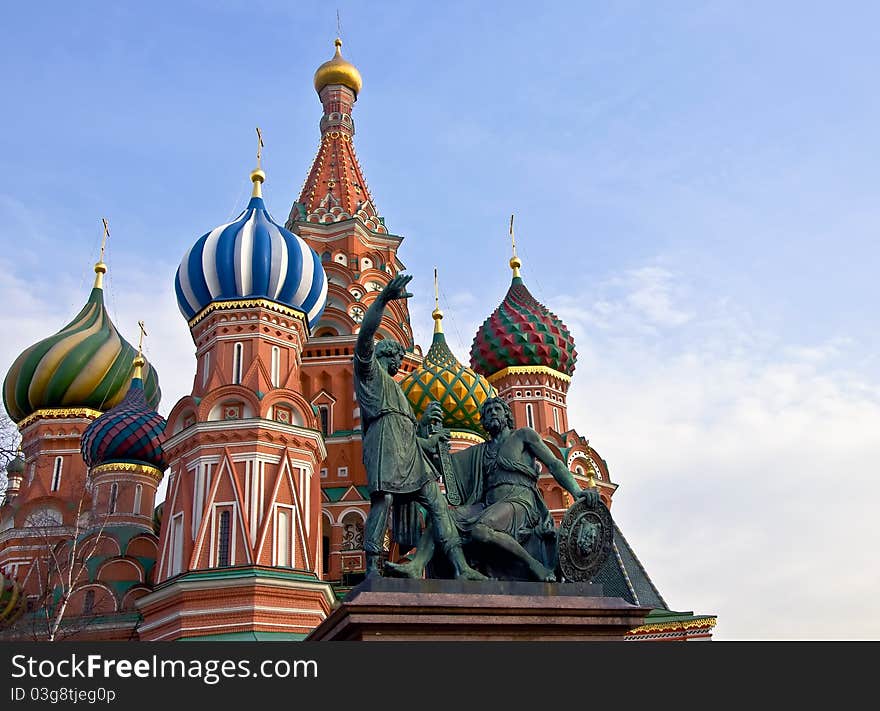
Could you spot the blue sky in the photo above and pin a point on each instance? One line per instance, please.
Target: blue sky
(695, 189)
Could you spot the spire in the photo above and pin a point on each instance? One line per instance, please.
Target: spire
(437, 314)
(257, 174)
(515, 262)
(335, 188)
(100, 266)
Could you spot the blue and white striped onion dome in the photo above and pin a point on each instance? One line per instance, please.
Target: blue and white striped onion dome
(252, 257)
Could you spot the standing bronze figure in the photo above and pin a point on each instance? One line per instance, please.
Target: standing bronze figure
(395, 457)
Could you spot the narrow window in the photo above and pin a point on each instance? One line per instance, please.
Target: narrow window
(325, 554)
(530, 419)
(177, 545)
(324, 473)
(223, 541)
(114, 495)
(324, 414)
(237, 357)
(138, 491)
(276, 366)
(283, 538)
(556, 419)
(56, 473)
(89, 602)
(206, 368)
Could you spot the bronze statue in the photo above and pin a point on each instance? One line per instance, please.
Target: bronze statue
(502, 515)
(395, 457)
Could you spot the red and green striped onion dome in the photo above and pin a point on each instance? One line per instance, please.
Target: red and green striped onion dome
(86, 364)
(130, 432)
(522, 332)
(12, 602)
(442, 378)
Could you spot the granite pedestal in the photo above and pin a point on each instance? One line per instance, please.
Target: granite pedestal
(389, 609)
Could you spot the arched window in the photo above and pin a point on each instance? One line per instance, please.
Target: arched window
(237, 358)
(138, 491)
(276, 366)
(56, 473)
(530, 418)
(114, 496)
(556, 419)
(223, 540)
(206, 368)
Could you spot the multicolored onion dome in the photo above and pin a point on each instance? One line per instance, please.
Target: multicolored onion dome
(130, 432)
(12, 602)
(458, 389)
(252, 257)
(86, 364)
(522, 332)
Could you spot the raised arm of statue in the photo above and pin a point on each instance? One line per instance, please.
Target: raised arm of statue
(557, 467)
(395, 289)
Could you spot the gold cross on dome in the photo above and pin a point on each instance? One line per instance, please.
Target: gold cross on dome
(512, 238)
(141, 337)
(104, 237)
(259, 146)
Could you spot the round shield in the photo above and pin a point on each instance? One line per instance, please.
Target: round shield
(585, 538)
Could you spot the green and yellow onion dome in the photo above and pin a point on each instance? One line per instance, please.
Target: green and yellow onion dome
(12, 602)
(441, 378)
(522, 332)
(86, 364)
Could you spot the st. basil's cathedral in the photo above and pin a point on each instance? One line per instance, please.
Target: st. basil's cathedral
(261, 530)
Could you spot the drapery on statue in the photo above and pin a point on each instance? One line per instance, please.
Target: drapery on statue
(501, 515)
(395, 457)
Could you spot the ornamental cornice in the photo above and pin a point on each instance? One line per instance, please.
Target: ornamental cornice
(677, 626)
(467, 436)
(528, 370)
(57, 413)
(250, 304)
(129, 468)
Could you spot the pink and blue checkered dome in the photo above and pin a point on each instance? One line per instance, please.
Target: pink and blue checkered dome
(252, 257)
(131, 432)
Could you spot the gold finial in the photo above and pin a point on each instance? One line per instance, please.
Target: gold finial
(100, 267)
(437, 314)
(140, 361)
(257, 175)
(515, 262)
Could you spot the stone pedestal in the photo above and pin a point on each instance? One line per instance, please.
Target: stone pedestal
(388, 609)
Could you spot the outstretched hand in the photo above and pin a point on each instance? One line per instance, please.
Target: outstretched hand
(396, 288)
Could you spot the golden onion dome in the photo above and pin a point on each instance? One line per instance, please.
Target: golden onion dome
(338, 71)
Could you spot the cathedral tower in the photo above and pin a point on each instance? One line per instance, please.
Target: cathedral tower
(239, 554)
(337, 217)
(54, 390)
